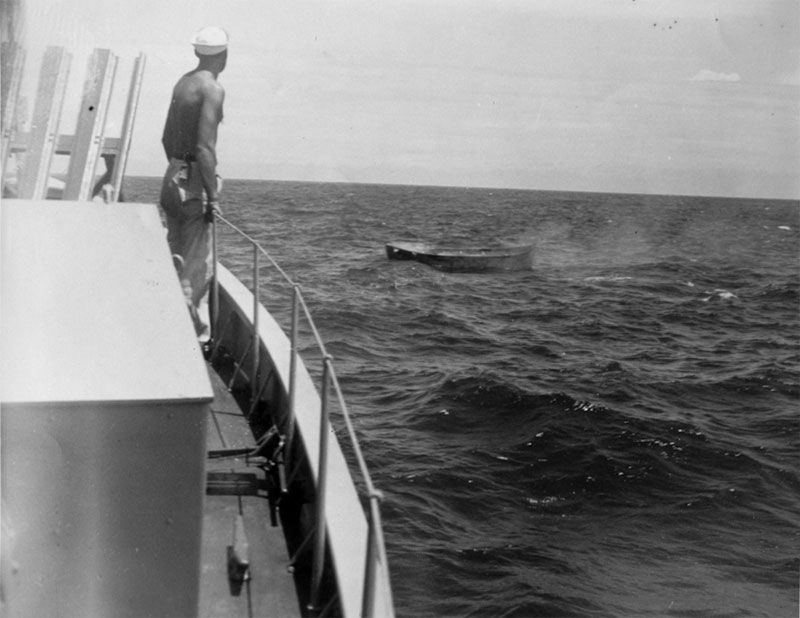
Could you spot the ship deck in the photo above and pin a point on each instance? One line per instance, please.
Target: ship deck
(270, 590)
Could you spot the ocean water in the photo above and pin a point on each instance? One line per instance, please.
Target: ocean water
(615, 432)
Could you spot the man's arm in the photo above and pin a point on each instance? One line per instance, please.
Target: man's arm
(167, 138)
(210, 117)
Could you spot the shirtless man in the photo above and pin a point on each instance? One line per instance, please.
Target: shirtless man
(190, 190)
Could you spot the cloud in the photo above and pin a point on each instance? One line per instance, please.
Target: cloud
(707, 75)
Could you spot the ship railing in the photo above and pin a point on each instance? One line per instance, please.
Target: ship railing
(376, 548)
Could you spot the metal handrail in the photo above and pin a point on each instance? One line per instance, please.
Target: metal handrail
(376, 548)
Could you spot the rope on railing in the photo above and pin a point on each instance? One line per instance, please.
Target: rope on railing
(376, 548)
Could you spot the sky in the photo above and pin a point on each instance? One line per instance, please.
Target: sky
(688, 97)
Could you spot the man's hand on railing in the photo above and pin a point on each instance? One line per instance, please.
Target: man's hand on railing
(212, 209)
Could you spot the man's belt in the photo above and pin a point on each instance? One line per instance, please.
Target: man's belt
(188, 158)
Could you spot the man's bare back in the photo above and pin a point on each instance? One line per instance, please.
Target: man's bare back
(195, 112)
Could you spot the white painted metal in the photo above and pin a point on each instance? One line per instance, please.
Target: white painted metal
(102, 508)
(105, 401)
(91, 307)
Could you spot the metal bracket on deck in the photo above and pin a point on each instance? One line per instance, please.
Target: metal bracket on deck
(269, 453)
(233, 484)
(233, 452)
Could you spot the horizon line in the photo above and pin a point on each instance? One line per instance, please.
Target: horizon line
(489, 188)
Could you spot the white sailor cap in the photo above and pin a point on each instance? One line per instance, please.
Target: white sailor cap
(210, 40)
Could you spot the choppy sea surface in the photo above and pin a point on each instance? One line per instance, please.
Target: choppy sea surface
(615, 432)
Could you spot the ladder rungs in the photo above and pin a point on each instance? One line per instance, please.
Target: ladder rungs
(43, 139)
(111, 145)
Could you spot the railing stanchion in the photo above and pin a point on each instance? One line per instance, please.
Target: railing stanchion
(293, 368)
(376, 553)
(214, 285)
(318, 558)
(256, 346)
(368, 600)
